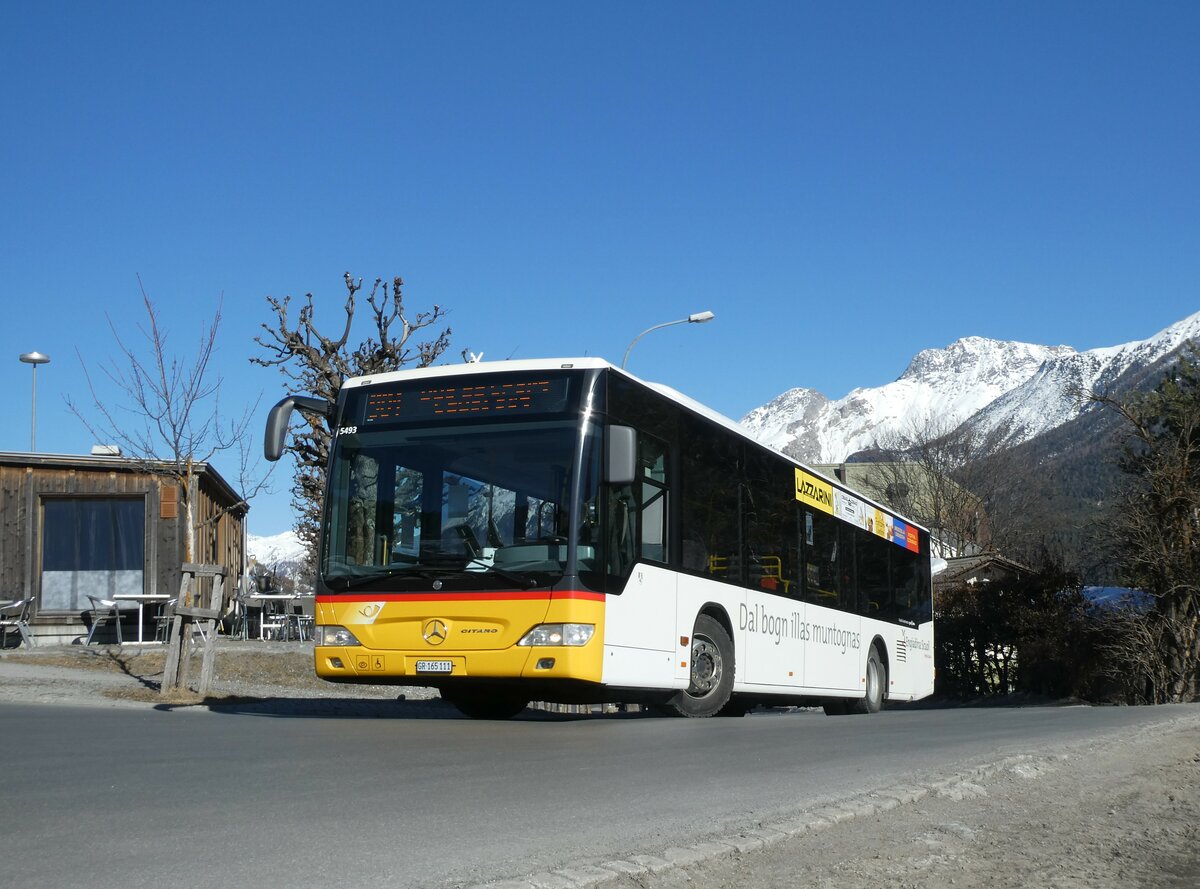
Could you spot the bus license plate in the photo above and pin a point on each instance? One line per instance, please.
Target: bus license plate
(435, 666)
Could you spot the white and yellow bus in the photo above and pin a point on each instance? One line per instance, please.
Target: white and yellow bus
(562, 531)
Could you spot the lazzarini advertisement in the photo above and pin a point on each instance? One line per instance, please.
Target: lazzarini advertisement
(820, 494)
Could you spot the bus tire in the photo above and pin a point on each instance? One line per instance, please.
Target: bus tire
(876, 676)
(711, 672)
(483, 704)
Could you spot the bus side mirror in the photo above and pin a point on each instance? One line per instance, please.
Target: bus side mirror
(281, 414)
(622, 456)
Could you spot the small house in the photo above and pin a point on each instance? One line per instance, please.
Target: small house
(978, 571)
(107, 526)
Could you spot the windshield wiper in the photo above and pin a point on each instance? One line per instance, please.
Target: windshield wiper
(522, 580)
(350, 582)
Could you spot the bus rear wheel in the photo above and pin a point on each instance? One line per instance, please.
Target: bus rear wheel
(872, 699)
(711, 672)
(484, 704)
(876, 676)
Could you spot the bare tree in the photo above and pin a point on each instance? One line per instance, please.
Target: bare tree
(1134, 662)
(317, 364)
(969, 490)
(916, 471)
(168, 415)
(1155, 528)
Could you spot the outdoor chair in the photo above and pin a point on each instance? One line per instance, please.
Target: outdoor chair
(300, 622)
(16, 617)
(273, 622)
(104, 609)
(162, 620)
(241, 608)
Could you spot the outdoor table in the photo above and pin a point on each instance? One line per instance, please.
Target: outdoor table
(267, 601)
(141, 599)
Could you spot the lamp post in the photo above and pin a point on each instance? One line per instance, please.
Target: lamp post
(34, 358)
(697, 318)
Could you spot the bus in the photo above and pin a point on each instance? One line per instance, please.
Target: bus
(561, 531)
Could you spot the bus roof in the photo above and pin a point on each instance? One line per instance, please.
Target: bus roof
(544, 364)
(476, 367)
(537, 364)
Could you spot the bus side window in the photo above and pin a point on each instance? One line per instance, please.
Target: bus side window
(850, 588)
(822, 577)
(708, 482)
(769, 517)
(874, 579)
(652, 465)
(638, 513)
(911, 602)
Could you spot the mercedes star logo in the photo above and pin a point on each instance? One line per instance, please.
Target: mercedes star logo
(435, 632)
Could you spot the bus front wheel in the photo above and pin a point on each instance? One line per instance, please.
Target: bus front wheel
(711, 672)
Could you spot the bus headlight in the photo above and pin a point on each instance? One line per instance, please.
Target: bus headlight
(335, 635)
(559, 634)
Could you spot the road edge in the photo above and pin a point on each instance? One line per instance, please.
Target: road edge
(964, 783)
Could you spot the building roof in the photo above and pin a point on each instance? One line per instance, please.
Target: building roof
(983, 568)
(116, 464)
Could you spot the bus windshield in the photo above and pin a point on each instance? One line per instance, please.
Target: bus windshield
(470, 506)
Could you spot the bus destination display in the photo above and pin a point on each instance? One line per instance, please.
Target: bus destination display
(538, 395)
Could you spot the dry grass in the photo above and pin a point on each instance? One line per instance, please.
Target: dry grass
(293, 669)
(247, 666)
(138, 662)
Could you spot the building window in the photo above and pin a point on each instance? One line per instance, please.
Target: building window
(91, 546)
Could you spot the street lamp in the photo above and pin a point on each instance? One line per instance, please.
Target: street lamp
(34, 358)
(697, 318)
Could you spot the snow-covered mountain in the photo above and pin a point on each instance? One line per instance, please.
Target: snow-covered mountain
(1015, 390)
(1048, 399)
(278, 549)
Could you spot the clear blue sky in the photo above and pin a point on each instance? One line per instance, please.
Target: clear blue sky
(843, 184)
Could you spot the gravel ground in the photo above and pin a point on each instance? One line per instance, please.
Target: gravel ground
(1120, 811)
(275, 675)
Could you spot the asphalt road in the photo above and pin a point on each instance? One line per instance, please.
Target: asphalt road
(140, 797)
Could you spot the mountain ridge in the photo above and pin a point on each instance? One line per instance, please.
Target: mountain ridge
(283, 549)
(1011, 391)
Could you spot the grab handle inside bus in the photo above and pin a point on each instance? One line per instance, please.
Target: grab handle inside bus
(277, 421)
(622, 455)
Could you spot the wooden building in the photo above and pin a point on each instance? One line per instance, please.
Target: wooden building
(980, 570)
(100, 525)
